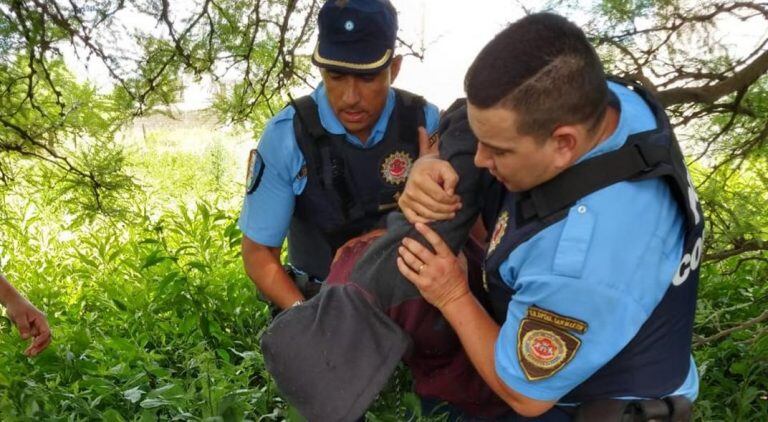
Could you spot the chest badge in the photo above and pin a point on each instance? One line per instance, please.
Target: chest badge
(498, 231)
(396, 167)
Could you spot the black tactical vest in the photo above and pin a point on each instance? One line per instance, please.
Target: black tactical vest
(657, 360)
(349, 189)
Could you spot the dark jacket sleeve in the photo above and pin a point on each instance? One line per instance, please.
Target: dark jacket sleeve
(331, 356)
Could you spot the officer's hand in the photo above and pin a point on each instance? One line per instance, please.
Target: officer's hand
(31, 324)
(427, 145)
(429, 192)
(439, 276)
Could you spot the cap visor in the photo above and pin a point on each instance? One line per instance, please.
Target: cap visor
(342, 63)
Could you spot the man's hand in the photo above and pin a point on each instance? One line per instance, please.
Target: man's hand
(429, 192)
(31, 324)
(439, 276)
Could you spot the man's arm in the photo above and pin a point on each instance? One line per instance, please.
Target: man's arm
(262, 264)
(268, 206)
(29, 320)
(441, 280)
(478, 334)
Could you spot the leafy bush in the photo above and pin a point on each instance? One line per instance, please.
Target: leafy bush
(152, 314)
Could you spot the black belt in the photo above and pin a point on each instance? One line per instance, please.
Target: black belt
(668, 409)
(309, 285)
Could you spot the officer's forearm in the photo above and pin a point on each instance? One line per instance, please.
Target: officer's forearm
(478, 333)
(262, 264)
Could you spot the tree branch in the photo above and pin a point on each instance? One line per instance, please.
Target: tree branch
(711, 93)
(754, 321)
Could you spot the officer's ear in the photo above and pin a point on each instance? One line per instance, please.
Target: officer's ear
(567, 139)
(394, 67)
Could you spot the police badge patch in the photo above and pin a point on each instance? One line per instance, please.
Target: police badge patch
(544, 343)
(498, 231)
(396, 167)
(255, 171)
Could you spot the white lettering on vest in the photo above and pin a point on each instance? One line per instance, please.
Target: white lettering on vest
(690, 262)
(693, 201)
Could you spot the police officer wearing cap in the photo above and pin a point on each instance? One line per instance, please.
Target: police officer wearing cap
(331, 165)
(596, 237)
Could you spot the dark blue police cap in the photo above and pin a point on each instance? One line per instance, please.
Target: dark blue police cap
(356, 36)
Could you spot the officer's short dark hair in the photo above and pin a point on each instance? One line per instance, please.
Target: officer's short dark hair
(544, 69)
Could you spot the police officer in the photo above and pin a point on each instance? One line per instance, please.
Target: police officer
(330, 165)
(592, 264)
(29, 320)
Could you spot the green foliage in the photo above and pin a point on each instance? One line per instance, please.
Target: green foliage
(734, 367)
(152, 314)
(248, 49)
(626, 11)
(69, 126)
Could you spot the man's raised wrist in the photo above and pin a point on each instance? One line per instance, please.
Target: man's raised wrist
(458, 304)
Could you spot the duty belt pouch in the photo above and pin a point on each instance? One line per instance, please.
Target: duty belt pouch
(306, 284)
(669, 409)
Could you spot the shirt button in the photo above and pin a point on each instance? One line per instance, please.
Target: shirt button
(581, 209)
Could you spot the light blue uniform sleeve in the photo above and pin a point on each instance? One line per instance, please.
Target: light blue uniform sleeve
(431, 118)
(266, 212)
(575, 270)
(612, 321)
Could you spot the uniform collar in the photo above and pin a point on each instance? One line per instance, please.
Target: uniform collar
(619, 136)
(332, 124)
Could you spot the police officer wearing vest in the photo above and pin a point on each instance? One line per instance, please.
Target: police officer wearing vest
(592, 264)
(331, 165)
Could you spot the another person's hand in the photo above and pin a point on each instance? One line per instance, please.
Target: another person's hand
(439, 276)
(429, 192)
(31, 324)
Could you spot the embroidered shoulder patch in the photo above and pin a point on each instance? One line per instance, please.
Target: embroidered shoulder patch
(255, 171)
(545, 342)
(396, 167)
(498, 231)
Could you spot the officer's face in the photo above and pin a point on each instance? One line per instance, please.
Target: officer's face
(358, 100)
(520, 162)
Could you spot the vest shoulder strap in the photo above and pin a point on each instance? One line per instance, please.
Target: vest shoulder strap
(410, 112)
(654, 153)
(311, 138)
(308, 117)
(410, 99)
(578, 181)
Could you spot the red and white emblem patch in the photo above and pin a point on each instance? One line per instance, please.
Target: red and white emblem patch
(545, 343)
(498, 231)
(396, 167)
(544, 348)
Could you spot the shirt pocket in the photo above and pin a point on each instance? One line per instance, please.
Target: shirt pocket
(574, 242)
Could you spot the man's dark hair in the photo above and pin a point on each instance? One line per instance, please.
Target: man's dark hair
(544, 69)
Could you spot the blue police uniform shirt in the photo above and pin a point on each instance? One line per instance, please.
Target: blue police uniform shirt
(608, 264)
(266, 213)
